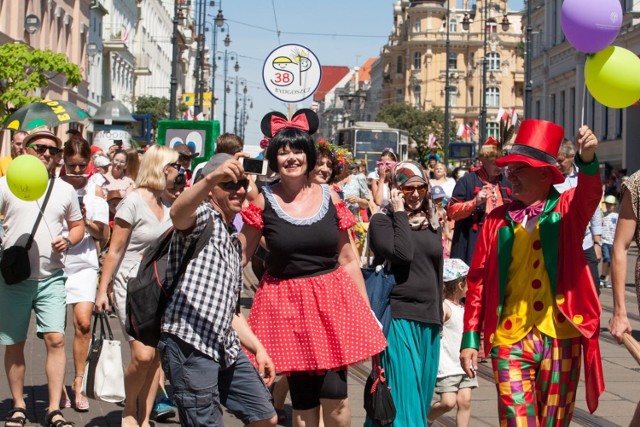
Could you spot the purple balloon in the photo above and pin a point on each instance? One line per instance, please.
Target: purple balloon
(591, 25)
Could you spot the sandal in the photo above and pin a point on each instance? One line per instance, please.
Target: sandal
(82, 405)
(12, 419)
(59, 422)
(65, 403)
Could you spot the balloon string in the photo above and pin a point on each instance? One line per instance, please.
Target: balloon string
(584, 101)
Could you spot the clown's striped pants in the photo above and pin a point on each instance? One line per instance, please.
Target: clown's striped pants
(537, 379)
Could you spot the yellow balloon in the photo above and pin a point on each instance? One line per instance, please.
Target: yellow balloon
(612, 77)
(27, 177)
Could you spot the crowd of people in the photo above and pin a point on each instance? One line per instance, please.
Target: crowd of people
(499, 262)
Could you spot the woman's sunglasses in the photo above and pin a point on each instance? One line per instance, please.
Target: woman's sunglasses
(175, 165)
(235, 186)
(408, 191)
(41, 149)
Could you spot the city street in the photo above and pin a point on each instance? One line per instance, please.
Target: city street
(616, 408)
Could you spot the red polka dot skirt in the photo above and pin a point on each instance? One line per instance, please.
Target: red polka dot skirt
(314, 323)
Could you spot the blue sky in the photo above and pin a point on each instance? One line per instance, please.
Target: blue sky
(339, 32)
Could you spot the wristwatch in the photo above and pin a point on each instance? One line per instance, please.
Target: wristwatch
(69, 244)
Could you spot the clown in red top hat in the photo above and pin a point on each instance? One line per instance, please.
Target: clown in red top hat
(530, 289)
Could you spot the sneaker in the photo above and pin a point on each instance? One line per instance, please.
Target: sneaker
(164, 409)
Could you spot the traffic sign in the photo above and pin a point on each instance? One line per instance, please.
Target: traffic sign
(291, 73)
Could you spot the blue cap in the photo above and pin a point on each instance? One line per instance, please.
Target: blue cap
(437, 192)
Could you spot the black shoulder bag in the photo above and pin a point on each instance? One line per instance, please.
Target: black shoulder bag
(14, 265)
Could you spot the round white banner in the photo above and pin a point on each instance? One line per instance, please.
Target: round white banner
(291, 73)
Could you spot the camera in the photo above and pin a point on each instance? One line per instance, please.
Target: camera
(254, 166)
(118, 142)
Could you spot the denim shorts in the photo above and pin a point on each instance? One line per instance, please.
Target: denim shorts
(606, 252)
(201, 385)
(47, 298)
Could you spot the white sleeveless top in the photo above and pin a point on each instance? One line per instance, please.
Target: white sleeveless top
(450, 342)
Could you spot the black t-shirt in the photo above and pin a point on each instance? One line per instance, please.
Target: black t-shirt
(300, 248)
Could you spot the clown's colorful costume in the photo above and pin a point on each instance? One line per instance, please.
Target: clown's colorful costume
(531, 292)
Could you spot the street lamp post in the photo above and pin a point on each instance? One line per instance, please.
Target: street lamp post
(173, 94)
(226, 55)
(219, 25)
(446, 90)
(527, 68)
(245, 115)
(243, 83)
(199, 66)
(483, 108)
(505, 26)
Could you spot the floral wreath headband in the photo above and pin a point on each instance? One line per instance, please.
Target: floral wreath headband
(304, 119)
(339, 155)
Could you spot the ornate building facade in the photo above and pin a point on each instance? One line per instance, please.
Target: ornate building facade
(414, 62)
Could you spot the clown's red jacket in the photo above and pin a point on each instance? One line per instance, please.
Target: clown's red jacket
(563, 222)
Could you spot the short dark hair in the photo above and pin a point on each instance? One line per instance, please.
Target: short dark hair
(228, 143)
(295, 139)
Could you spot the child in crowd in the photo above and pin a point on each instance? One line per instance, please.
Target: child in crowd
(452, 384)
(609, 223)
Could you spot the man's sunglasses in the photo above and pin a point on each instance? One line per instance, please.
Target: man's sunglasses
(41, 149)
(235, 186)
(184, 158)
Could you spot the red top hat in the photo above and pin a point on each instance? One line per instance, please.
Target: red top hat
(536, 145)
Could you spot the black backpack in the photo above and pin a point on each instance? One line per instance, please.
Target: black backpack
(148, 293)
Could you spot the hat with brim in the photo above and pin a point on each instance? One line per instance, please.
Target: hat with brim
(39, 134)
(536, 145)
(611, 200)
(185, 150)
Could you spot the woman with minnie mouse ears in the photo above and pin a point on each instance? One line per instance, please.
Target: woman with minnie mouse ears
(311, 310)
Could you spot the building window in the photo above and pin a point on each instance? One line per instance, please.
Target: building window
(605, 123)
(399, 66)
(493, 61)
(493, 129)
(618, 123)
(416, 26)
(453, 61)
(453, 26)
(572, 109)
(538, 108)
(399, 96)
(417, 61)
(493, 97)
(416, 97)
(552, 108)
(492, 26)
(562, 108)
(453, 96)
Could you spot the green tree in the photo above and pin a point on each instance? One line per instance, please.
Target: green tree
(157, 106)
(418, 123)
(23, 70)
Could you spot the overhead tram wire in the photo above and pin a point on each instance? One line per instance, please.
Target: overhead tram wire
(373, 36)
(275, 18)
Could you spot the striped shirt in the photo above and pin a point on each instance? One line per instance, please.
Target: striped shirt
(204, 301)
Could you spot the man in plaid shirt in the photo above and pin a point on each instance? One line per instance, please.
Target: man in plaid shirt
(202, 329)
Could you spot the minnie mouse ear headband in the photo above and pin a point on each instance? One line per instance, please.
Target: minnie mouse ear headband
(304, 119)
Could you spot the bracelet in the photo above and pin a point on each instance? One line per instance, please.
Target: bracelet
(595, 242)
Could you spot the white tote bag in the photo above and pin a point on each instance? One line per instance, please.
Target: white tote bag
(103, 375)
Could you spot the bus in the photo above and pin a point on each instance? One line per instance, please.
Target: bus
(367, 140)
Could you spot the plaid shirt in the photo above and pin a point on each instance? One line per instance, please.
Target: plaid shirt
(204, 301)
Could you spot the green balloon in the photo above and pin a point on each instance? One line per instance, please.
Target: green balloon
(612, 77)
(27, 177)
